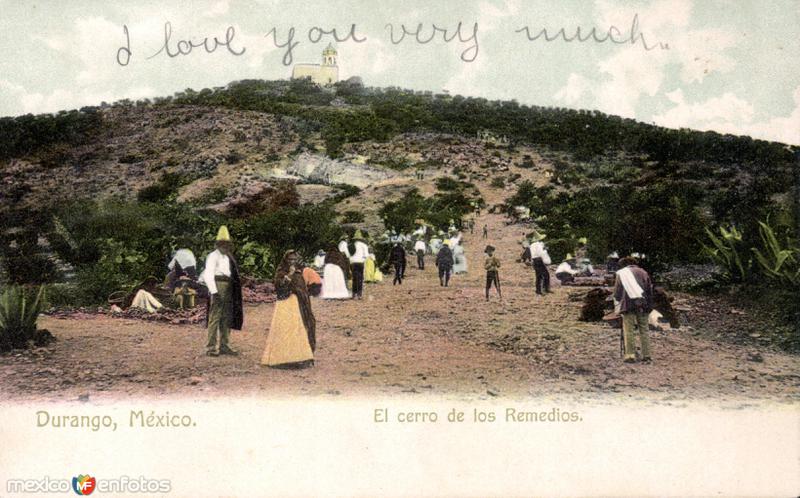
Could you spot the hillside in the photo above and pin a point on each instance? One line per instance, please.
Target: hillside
(290, 164)
(95, 201)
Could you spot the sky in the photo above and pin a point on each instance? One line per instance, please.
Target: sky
(732, 66)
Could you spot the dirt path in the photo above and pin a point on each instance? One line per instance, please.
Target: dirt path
(409, 340)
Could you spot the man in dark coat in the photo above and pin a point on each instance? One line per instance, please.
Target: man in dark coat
(225, 311)
(397, 258)
(444, 261)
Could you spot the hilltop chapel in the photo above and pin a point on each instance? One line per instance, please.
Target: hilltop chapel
(326, 73)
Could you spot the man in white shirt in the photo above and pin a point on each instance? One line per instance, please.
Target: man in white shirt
(540, 259)
(183, 263)
(221, 276)
(357, 260)
(185, 259)
(343, 247)
(565, 273)
(419, 248)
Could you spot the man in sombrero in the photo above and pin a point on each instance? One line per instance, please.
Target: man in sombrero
(492, 266)
(221, 276)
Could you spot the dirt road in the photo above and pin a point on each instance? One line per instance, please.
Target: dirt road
(409, 340)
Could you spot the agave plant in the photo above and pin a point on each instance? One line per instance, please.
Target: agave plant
(726, 251)
(777, 262)
(19, 311)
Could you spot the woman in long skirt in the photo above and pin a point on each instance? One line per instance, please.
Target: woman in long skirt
(460, 259)
(335, 275)
(371, 272)
(291, 339)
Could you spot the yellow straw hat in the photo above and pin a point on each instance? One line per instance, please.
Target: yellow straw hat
(223, 235)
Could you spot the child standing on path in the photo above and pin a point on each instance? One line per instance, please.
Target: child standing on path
(492, 266)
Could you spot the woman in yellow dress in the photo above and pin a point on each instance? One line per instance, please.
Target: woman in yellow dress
(371, 272)
(291, 339)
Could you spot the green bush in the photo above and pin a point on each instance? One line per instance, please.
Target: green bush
(661, 220)
(164, 190)
(344, 191)
(352, 217)
(19, 311)
(306, 229)
(119, 267)
(256, 260)
(447, 184)
(437, 210)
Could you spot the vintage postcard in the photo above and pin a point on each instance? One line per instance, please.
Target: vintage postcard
(400, 248)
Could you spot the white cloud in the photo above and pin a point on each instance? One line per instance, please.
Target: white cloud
(729, 113)
(727, 108)
(576, 89)
(218, 9)
(471, 78)
(370, 58)
(632, 72)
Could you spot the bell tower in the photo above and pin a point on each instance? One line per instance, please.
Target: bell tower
(329, 56)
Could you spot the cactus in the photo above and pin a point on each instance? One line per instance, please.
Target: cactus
(726, 251)
(19, 311)
(777, 262)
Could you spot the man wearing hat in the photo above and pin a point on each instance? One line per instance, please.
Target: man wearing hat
(357, 260)
(420, 248)
(492, 266)
(397, 258)
(540, 259)
(612, 262)
(221, 276)
(444, 261)
(565, 273)
(633, 299)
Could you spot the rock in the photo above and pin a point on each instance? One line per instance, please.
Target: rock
(492, 393)
(115, 309)
(594, 305)
(755, 357)
(83, 398)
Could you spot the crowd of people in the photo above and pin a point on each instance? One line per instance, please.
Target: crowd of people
(341, 270)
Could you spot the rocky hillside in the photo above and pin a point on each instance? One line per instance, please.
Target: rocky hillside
(219, 157)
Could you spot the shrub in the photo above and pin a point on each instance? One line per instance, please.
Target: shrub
(344, 191)
(661, 220)
(352, 217)
(527, 162)
(498, 182)
(256, 260)
(234, 157)
(437, 210)
(447, 184)
(305, 228)
(165, 189)
(213, 195)
(19, 311)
